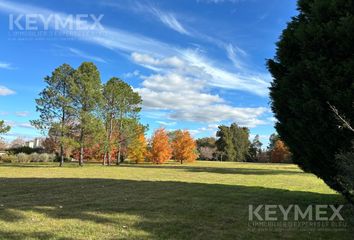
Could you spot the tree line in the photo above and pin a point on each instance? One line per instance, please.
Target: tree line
(86, 119)
(232, 144)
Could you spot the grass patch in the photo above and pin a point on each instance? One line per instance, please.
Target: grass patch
(205, 200)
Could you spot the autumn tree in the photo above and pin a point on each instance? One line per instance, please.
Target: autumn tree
(137, 147)
(85, 91)
(161, 150)
(184, 147)
(280, 152)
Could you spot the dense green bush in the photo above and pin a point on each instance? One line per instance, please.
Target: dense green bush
(24, 149)
(314, 67)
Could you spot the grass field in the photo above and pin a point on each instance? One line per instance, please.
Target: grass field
(204, 200)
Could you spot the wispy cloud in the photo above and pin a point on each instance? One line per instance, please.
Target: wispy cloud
(5, 65)
(84, 55)
(166, 123)
(219, 1)
(22, 114)
(19, 124)
(4, 91)
(181, 75)
(169, 20)
(120, 40)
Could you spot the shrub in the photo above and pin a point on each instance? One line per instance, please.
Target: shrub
(34, 157)
(8, 158)
(45, 157)
(23, 158)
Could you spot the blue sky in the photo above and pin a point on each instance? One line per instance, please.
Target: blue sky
(196, 63)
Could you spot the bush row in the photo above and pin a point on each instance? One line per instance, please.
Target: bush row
(26, 158)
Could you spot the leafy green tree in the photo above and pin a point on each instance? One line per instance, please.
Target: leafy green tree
(255, 149)
(55, 105)
(240, 138)
(314, 66)
(272, 140)
(85, 90)
(3, 127)
(225, 144)
(233, 142)
(120, 112)
(127, 107)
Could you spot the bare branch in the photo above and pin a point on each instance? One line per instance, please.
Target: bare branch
(341, 118)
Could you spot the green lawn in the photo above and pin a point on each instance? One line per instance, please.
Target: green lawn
(204, 200)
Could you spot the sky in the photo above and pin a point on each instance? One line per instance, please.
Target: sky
(196, 63)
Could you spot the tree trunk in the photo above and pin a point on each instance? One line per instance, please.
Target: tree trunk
(104, 158)
(120, 135)
(61, 155)
(110, 130)
(119, 153)
(81, 159)
(61, 140)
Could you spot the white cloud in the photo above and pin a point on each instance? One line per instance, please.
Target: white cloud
(4, 91)
(219, 1)
(169, 20)
(82, 54)
(182, 75)
(5, 65)
(22, 114)
(166, 123)
(117, 39)
(184, 95)
(19, 124)
(135, 73)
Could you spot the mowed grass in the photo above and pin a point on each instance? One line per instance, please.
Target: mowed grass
(203, 200)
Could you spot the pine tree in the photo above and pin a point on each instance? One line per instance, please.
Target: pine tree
(55, 105)
(85, 90)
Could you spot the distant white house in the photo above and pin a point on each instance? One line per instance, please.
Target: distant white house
(35, 143)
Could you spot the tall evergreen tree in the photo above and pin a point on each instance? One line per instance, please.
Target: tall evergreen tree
(86, 93)
(313, 69)
(233, 142)
(55, 105)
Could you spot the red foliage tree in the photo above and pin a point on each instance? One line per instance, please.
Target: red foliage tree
(280, 152)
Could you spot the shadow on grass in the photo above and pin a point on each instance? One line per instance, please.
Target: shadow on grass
(165, 210)
(234, 170)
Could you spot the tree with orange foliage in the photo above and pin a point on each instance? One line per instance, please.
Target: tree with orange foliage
(160, 151)
(184, 147)
(137, 148)
(280, 152)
